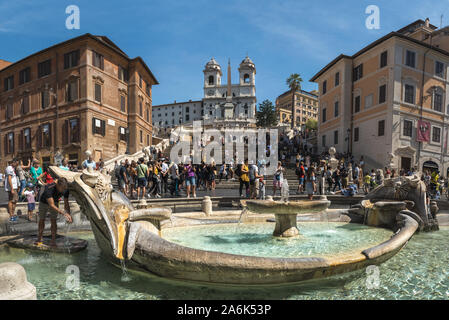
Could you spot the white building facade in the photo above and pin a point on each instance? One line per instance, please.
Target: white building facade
(240, 106)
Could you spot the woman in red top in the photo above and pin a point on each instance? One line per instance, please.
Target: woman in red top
(48, 179)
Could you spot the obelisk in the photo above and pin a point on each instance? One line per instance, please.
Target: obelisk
(229, 106)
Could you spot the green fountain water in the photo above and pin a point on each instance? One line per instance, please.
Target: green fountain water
(419, 271)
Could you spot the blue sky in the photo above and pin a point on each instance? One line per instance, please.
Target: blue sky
(177, 38)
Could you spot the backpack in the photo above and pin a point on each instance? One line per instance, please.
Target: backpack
(252, 173)
(238, 171)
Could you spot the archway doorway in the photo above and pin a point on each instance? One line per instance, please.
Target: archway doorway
(430, 165)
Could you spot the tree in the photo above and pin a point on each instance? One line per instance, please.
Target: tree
(311, 124)
(294, 83)
(266, 115)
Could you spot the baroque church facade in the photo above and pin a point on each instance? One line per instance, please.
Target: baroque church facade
(224, 105)
(230, 105)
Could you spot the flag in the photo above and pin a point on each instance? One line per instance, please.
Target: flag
(423, 131)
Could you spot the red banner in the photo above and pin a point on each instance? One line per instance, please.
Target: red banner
(423, 131)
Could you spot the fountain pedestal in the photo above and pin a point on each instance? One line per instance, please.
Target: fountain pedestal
(285, 212)
(286, 226)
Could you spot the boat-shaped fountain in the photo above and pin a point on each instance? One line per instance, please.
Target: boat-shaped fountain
(136, 237)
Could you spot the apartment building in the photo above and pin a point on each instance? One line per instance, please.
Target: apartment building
(82, 94)
(388, 101)
(177, 113)
(306, 104)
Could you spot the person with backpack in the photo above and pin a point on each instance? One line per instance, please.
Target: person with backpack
(253, 181)
(244, 178)
(278, 178)
(142, 174)
(22, 176)
(300, 173)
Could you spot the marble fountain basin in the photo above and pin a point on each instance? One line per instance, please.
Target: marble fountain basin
(135, 237)
(285, 212)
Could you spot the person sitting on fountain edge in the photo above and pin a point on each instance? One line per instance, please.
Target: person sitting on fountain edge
(49, 202)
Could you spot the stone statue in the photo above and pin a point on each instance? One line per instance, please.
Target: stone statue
(405, 195)
(333, 162)
(114, 221)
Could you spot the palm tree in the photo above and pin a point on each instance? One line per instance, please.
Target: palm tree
(294, 83)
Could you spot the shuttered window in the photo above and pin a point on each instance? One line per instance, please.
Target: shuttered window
(71, 59)
(25, 108)
(98, 60)
(98, 92)
(98, 126)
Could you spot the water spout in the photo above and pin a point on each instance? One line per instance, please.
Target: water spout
(284, 191)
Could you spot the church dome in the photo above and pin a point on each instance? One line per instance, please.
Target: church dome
(212, 65)
(247, 62)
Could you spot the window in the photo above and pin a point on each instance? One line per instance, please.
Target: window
(439, 69)
(9, 111)
(383, 59)
(122, 103)
(27, 138)
(337, 78)
(246, 78)
(46, 135)
(45, 99)
(25, 75)
(407, 129)
(72, 91)
(409, 96)
(148, 139)
(436, 134)
(382, 93)
(323, 140)
(98, 126)
(368, 101)
(335, 109)
(9, 143)
(74, 130)
(9, 83)
(123, 74)
(71, 59)
(358, 72)
(336, 137)
(98, 92)
(97, 60)
(410, 57)
(324, 87)
(211, 80)
(187, 117)
(44, 68)
(357, 104)
(147, 88)
(147, 114)
(71, 131)
(356, 134)
(25, 107)
(141, 108)
(122, 133)
(140, 81)
(324, 115)
(438, 101)
(381, 128)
